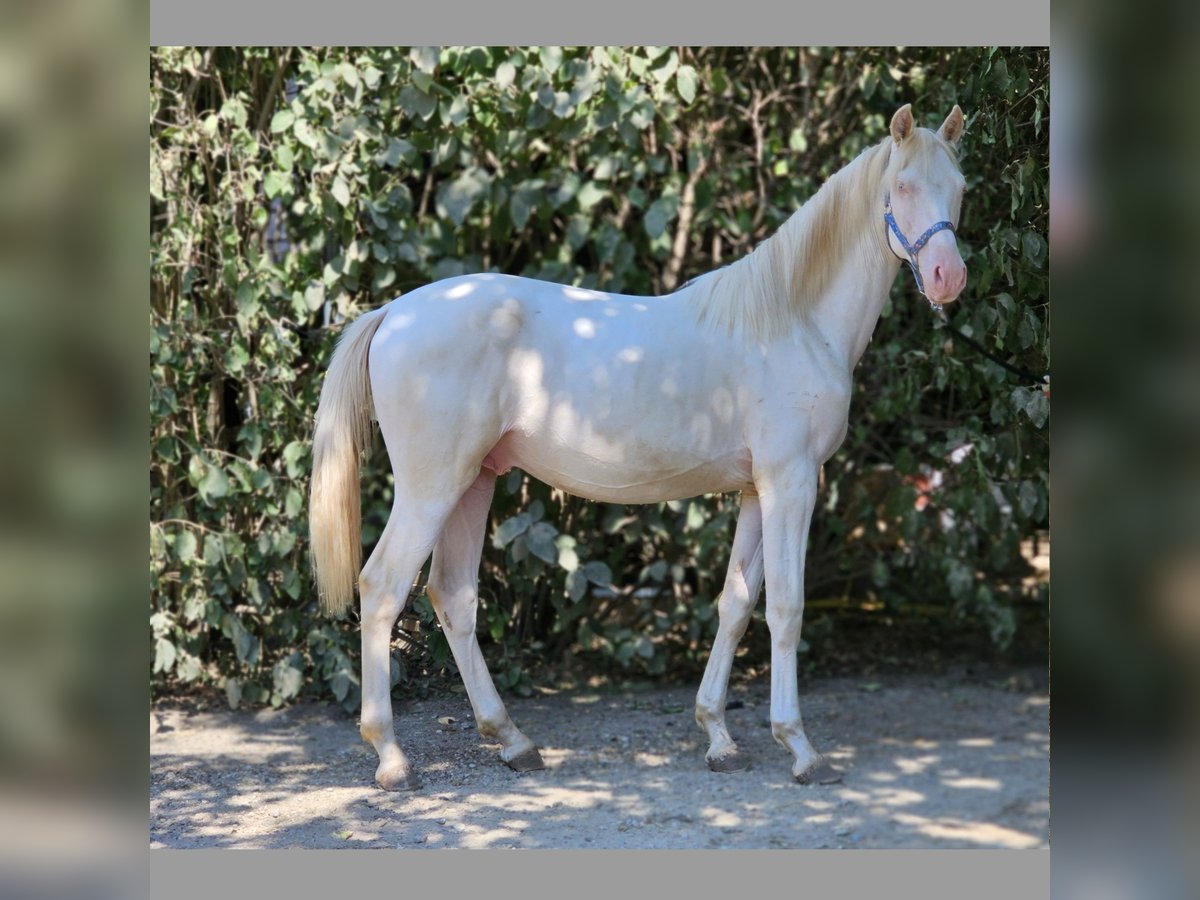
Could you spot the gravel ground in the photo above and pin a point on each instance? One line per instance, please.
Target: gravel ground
(929, 762)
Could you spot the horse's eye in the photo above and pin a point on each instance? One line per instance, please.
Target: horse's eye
(901, 186)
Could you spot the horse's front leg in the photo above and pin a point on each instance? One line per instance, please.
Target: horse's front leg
(787, 507)
(743, 581)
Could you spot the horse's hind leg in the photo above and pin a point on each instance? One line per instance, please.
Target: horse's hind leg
(384, 585)
(453, 586)
(742, 584)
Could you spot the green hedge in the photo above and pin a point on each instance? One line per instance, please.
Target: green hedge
(292, 189)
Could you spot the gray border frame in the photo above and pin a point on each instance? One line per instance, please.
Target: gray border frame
(704, 22)
(925, 874)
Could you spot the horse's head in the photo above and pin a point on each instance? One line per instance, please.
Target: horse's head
(924, 189)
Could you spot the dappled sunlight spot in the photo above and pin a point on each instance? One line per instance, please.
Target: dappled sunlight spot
(897, 797)
(642, 758)
(631, 354)
(720, 818)
(397, 321)
(819, 804)
(1036, 701)
(514, 823)
(977, 742)
(575, 798)
(973, 784)
(850, 795)
(585, 328)
(458, 291)
(477, 839)
(881, 776)
(1038, 737)
(554, 758)
(916, 765)
(585, 698)
(819, 819)
(574, 293)
(977, 833)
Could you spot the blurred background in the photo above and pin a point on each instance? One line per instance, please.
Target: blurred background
(1126, 495)
(73, 488)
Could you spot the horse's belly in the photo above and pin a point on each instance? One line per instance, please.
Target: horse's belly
(629, 473)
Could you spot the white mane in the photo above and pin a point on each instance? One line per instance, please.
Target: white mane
(785, 276)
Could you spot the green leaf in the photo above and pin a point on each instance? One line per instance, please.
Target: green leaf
(282, 121)
(552, 58)
(568, 558)
(590, 194)
(457, 113)
(659, 215)
(576, 585)
(383, 278)
(425, 58)
(348, 74)
(288, 679)
(506, 72)
(214, 485)
(185, 546)
(314, 296)
(245, 644)
(416, 102)
(598, 573)
(340, 191)
(233, 692)
(164, 655)
(456, 198)
(507, 531)
(398, 151)
(540, 540)
(293, 457)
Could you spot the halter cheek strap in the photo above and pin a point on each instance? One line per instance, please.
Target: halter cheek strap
(914, 248)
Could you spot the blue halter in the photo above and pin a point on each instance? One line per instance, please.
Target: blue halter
(911, 249)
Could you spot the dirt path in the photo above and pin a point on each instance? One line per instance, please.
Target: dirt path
(928, 762)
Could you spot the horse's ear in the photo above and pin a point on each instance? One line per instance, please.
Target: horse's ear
(902, 123)
(952, 129)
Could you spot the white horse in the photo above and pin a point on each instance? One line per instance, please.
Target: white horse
(738, 381)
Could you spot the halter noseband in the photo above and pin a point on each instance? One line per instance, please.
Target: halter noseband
(911, 249)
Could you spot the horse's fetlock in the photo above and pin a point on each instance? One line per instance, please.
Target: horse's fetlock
(373, 732)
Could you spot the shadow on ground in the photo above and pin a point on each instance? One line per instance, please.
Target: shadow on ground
(928, 763)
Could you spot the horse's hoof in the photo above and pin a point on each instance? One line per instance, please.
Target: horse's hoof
(735, 761)
(820, 772)
(399, 781)
(527, 761)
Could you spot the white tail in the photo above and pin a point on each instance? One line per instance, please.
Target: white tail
(343, 432)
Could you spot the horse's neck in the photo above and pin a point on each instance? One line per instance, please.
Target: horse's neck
(849, 309)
